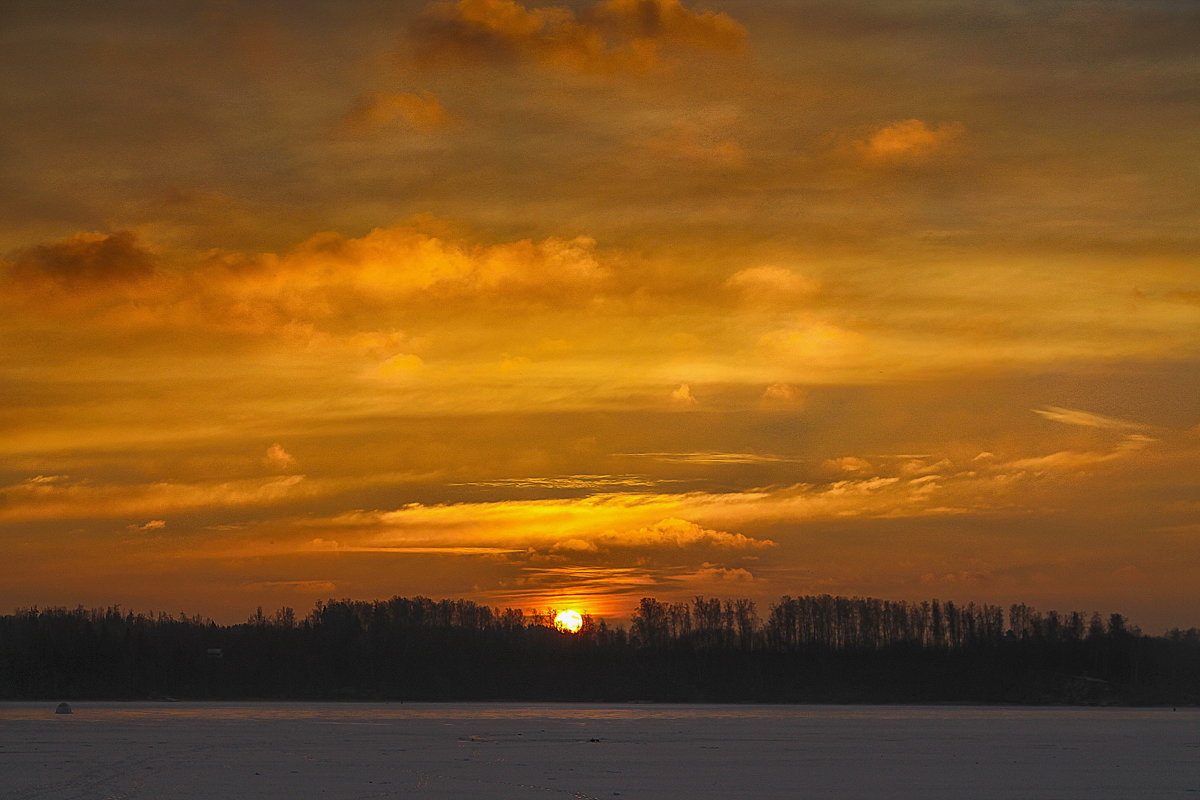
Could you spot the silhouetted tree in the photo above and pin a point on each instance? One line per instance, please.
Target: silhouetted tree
(808, 648)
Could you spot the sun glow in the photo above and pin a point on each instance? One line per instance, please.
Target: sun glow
(569, 621)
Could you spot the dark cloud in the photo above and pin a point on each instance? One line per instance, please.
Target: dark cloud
(614, 36)
(83, 260)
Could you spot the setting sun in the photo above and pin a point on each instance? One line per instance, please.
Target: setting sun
(569, 621)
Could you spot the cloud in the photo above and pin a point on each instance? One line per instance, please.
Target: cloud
(959, 578)
(84, 259)
(849, 464)
(591, 587)
(1075, 460)
(682, 395)
(320, 287)
(770, 285)
(45, 479)
(545, 549)
(715, 574)
(1071, 416)
(324, 545)
(401, 364)
(278, 458)
(604, 523)
(612, 37)
(417, 111)
(673, 533)
(398, 262)
(152, 525)
(659, 557)
(783, 393)
(818, 344)
(596, 528)
(87, 269)
(907, 141)
(669, 20)
(34, 500)
(919, 467)
(712, 458)
(569, 482)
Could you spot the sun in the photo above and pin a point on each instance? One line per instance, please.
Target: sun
(569, 621)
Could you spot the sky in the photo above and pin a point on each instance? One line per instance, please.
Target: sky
(563, 304)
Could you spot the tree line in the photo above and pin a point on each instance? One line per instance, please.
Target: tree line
(800, 649)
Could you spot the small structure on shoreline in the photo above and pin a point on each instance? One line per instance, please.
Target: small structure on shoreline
(63, 708)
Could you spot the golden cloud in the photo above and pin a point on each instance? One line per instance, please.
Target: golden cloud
(1075, 460)
(716, 574)
(783, 393)
(1086, 419)
(708, 457)
(673, 533)
(614, 36)
(278, 458)
(771, 286)
(66, 499)
(907, 141)
(682, 395)
(401, 262)
(607, 522)
(317, 286)
(849, 464)
(401, 364)
(816, 344)
(569, 482)
(668, 541)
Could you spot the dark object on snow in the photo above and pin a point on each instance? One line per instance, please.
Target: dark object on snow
(63, 708)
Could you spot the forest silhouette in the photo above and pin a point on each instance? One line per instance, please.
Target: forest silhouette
(802, 649)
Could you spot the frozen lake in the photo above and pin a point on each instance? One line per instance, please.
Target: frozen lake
(297, 751)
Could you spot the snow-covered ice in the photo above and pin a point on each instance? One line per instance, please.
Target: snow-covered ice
(353, 751)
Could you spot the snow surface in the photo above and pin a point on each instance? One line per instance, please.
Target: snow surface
(353, 751)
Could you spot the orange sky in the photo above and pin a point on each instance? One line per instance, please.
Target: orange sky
(568, 304)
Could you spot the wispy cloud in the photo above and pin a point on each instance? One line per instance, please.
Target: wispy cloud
(330, 546)
(571, 482)
(1072, 460)
(1086, 419)
(667, 534)
(33, 500)
(712, 458)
